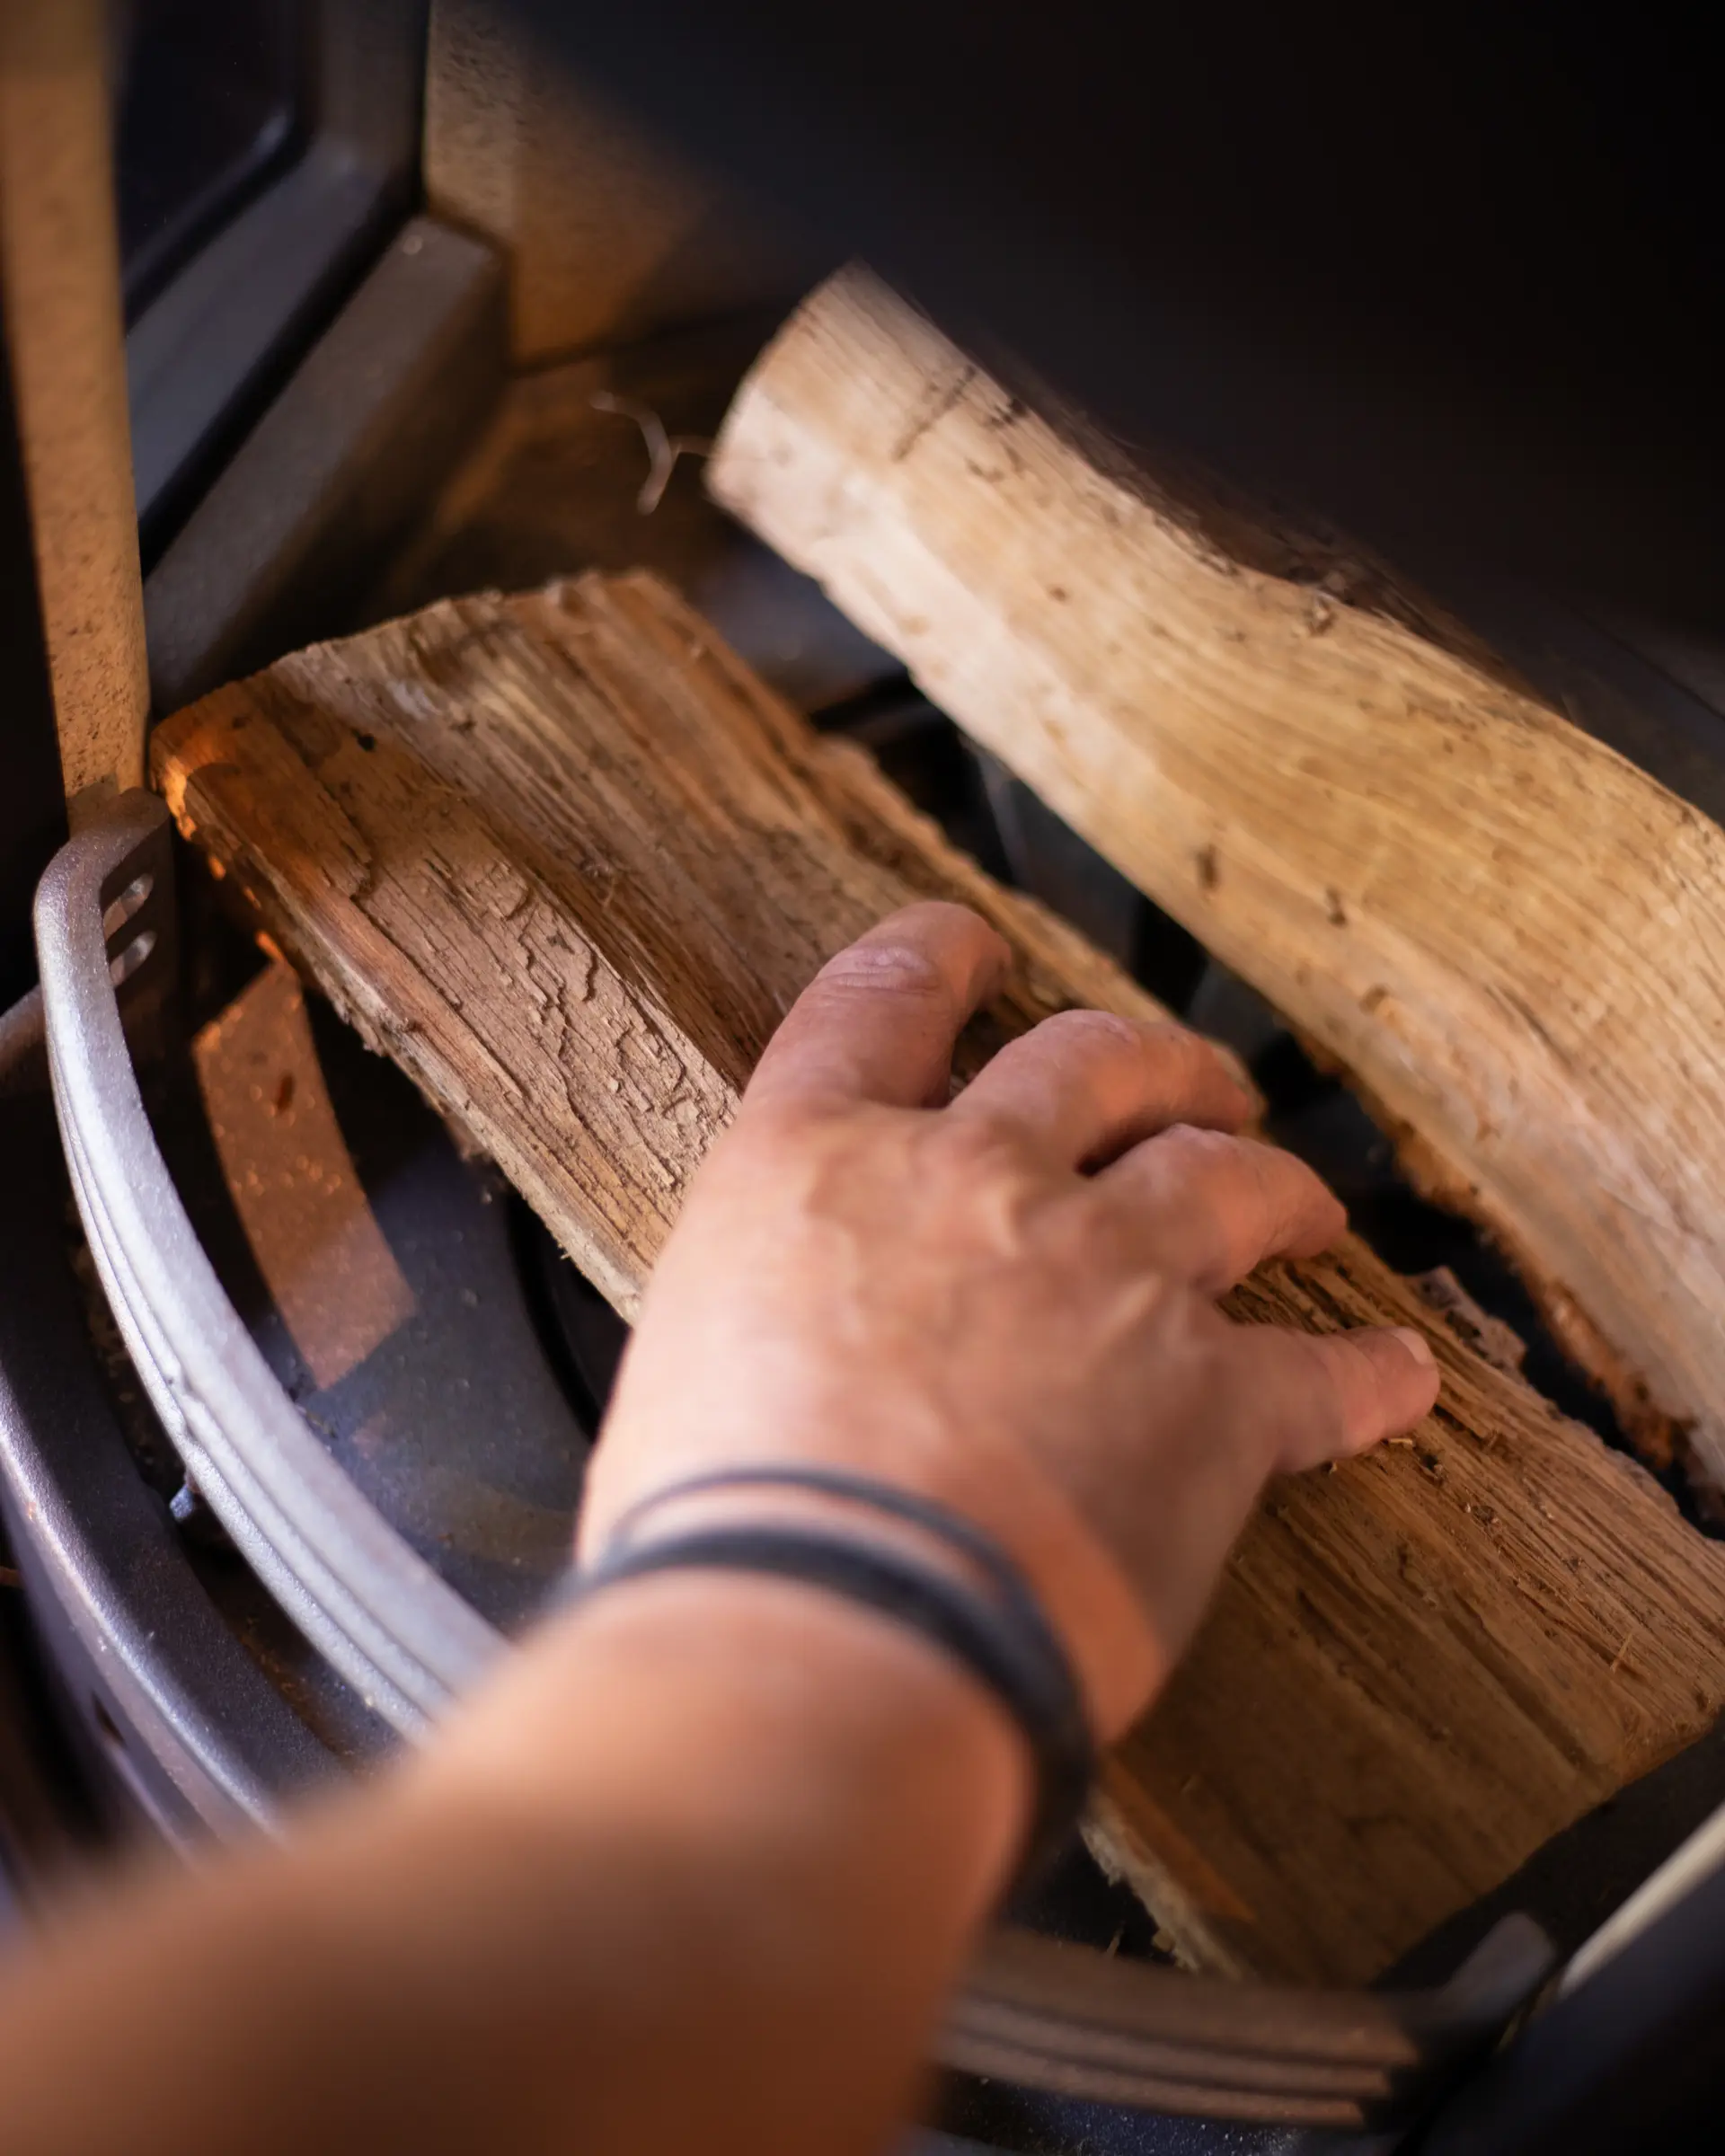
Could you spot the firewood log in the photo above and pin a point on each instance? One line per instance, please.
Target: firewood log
(568, 861)
(1506, 934)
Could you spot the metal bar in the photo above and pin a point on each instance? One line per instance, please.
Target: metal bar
(206, 353)
(374, 419)
(383, 1617)
(59, 263)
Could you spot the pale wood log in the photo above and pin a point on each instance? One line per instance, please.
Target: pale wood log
(1511, 937)
(568, 861)
(59, 278)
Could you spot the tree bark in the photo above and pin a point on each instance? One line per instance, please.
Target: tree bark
(568, 861)
(1508, 936)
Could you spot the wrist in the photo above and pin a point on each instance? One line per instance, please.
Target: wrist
(895, 1554)
(1073, 1574)
(751, 1713)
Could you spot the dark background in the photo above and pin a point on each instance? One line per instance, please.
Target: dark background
(1449, 274)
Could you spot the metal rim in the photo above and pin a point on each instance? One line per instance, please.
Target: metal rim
(405, 1641)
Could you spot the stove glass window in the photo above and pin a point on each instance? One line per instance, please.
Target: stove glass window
(211, 97)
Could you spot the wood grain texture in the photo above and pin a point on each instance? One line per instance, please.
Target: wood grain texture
(1512, 939)
(568, 861)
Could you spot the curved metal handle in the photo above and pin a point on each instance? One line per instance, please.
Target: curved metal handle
(401, 1637)
(1066, 2019)
(1033, 2011)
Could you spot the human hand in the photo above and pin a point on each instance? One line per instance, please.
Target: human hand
(1007, 1303)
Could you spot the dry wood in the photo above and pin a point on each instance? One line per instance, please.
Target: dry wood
(568, 861)
(1507, 934)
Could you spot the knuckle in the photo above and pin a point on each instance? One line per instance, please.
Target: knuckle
(769, 1127)
(884, 968)
(1280, 1184)
(1195, 1057)
(1196, 1149)
(1345, 1399)
(1173, 1038)
(1295, 1191)
(787, 1119)
(1376, 1383)
(1294, 1175)
(1277, 1193)
(1085, 1032)
(981, 1143)
(948, 913)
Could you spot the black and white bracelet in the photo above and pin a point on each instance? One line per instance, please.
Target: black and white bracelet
(991, 1623)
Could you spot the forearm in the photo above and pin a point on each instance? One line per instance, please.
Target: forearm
(699, 1870)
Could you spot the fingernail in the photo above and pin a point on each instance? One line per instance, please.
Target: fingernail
(1417, 1344)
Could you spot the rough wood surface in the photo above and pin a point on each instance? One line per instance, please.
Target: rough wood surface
(1507, 934)
(567, 861)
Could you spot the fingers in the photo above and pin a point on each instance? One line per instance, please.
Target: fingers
(1211, 1207)
(878, 1020)
(1329, 1395)
(1086, 1083)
